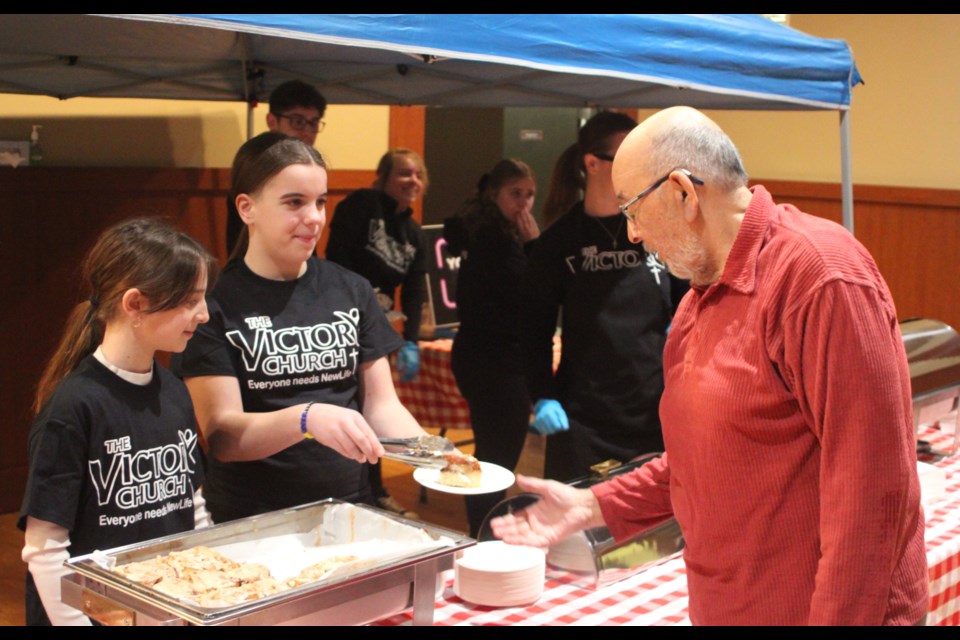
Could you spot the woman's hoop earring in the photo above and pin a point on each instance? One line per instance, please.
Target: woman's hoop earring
(136, 323)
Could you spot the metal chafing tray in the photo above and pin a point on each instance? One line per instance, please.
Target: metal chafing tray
(933, 354)
(592, 558)
(376, 589)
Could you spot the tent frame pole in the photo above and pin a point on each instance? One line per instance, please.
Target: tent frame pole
(846, 167)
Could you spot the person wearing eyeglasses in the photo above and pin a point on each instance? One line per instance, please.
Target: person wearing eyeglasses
(296, 110)
(373, 233)
(601, 403)
(787, 413)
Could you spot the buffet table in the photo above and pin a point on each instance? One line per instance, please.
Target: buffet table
(943, 536)
(658, 595)
(433, 396)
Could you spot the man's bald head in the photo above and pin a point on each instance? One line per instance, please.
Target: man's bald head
(681, 137)
(686, 188)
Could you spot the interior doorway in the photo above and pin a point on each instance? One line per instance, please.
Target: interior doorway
(462, 143)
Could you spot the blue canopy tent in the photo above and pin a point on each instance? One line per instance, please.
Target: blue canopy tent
(585, 60)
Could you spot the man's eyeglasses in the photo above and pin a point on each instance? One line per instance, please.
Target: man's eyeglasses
(634, 200)
(299, 123)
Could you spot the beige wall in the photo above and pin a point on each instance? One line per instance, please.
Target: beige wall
(103, 132)
(905, 119)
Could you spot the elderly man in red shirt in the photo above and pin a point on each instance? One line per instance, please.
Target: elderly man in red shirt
(790, 459)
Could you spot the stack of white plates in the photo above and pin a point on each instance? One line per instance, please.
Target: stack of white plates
(573, 553)
(496, 574)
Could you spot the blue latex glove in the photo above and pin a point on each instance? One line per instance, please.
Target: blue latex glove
(549, 417)
(408, 361)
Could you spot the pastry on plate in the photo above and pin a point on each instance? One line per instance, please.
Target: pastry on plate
(461, 471)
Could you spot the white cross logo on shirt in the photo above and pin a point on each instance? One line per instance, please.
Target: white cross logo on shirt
(655, 266)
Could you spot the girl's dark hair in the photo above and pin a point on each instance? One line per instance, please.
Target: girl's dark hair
(145, 254)
(387, 160)
(259, 159)
(568, 180)
(481, 208)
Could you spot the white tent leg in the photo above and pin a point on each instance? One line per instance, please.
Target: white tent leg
(846, 167)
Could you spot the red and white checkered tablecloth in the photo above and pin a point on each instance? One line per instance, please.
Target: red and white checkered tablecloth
(658, 595)
(943, 537)
(433, 396)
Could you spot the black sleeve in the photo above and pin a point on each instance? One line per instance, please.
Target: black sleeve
(455, 234)
(500, 259)
(542, 293)
(347, 229)
(678, 289)
(488, 285)
(57, 471)
(413, 293)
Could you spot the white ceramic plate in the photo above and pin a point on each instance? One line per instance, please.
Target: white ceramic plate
(493, 477)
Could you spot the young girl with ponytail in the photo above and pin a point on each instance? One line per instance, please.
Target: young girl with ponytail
(114, 456)
(498, 228)
(290, 377)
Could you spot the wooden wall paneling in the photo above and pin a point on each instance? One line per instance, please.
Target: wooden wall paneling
(52, 215)
(408, 126)
(916, 250)
(913, 234)
(408, 129)
(20, 263)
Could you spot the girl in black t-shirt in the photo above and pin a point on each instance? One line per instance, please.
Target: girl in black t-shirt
(496, 228)
(290, 377)
(114, 449)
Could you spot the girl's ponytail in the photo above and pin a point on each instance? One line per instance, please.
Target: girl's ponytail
(145, 254)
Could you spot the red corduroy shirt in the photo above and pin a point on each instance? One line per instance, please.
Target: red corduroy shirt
(790, 450)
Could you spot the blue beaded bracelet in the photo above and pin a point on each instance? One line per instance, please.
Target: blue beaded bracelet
(303, 422)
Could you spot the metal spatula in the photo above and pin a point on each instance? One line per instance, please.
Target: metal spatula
(418, 451)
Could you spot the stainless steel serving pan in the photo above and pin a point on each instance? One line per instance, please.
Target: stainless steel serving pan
(933, 354)
(592, 558)
(375, 590)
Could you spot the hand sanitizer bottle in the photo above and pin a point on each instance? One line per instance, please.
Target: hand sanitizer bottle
(36, 151)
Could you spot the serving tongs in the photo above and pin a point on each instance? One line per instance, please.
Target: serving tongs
(418, 451)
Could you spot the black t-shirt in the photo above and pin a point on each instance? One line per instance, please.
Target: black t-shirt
(616, 306)
(114, 462)
(488, 288)
(387, 248)
(287, 343)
